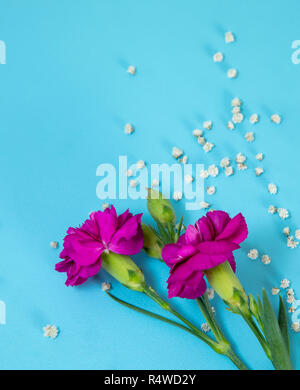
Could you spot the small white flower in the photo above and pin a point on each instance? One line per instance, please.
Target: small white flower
(177, 195)
(204, 205)
(297, 234)
(276, 118)
(292, 309)
(205, 327)
(213, 170)
(272, 188)
(211, 190)
(253, 254)
(197, 132)
(259, 171)
(290, 291)
(291, 243)
(290, 299)
(204, 174)
(286, 231)
(259, 156)
(54, 244)
(201, 140)
(230, 125)
(131, 69)
(176, 152)
(207, 147)
(283, 213)
(229, 171)
(140, 164)
(296, 326)
(236, 109)
(133, 183)
(218, 57)
(254, 119)
(249, 136)
(225, 162)
(272, 210)
(129, 172)
(242, 167)
(229, 37)
(238, 117)
(275, 291)
(183, 160)
(213, 309)
(105, 206)
(266, 259)
(210, 293)
(188, 178)
(155, 183)
(285, 283)
(207, 125)
(240, 158)
(50, 331)
(232, 73)
(236, 102)
(105, 286)
(128, 129)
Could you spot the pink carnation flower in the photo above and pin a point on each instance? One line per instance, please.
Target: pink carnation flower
(203, 246)
(103, 231)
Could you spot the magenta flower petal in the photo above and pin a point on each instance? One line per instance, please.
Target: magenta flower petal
(235, 231)
(219, 220)
(205, 229)
(216, 247)
(192, 287)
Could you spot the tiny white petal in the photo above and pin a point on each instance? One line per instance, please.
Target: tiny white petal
(177, 195)
(204, 174)
(210, 293)
(128, 129)
(286, 231)
(204, 205)
(205, 327)
(232, 73)
(201, 140)
(242, 167)
(276, 118)
(211, 190)
(230, 125)
(253, 254)
(236, 102)
(283, 213)
(259, 171)
(272, 210)
(296, 326)
(229, 37)
(238, 117)
(266, 259)
(275, 291)
(207, 147)
(297, 234)
(140, 164)
(129, 172)
(176, 152)
(183, 160)
(236, 109)
(249, 136)
(207, 125)
(131, 69)
(259, 156)
(229, 171)
(50, 331)
(197, 132)
(105, 206)
(225, 162)
(188, 178)
(285, 283)
(218, 57)
(54, 244)
(272, 188)
(240, 158)
(105, 286)
(291, 243)
(213, 170)
(253, 119)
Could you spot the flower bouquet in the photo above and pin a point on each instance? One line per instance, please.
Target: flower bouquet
(195, 254)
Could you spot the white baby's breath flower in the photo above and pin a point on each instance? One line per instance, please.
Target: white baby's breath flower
(184, 159)
(188, 178)
(259, 171)
(155, 183)
(54, 244)
(105, 286)
(276, 118)
(297, 234)
(105, 206)
(204, 174)
(176, 152)
(275, 291)
(296, 326)
(286, 231)
(254, 119)
(50, 331)
(131, 69)
(129, 172)
(201, 140)
(238, 117)
(128, 129)
(218, 57)
(133, 183)
(253, 254)
(213, 170)
(249, 136)
(229, 37)
(283, 213)
(236, 109)
(210, 293)
(292, 243)
(207, 147)
(285, 283)
(272, 188)
(230, 125)
(177, 195)
(229, 171)
(240, 158)
(205, 327)
(197, 132)
(236, 102)
(259, 156)
(207, 125)
(204, 205)
(266, 259)
(290, 299)
(232, 73)
(140, 164)
(242, 167)
(290, 291)
(211, 190)
(272, 210)
(291, 309)
(225, 162)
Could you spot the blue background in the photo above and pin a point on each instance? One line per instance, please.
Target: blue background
(65, 98)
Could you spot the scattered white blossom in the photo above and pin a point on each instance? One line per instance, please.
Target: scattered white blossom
(140, 164)
(204, 174)
(204, 205)
(238, 117)
(285, 283)
(197, 132)
(105, 206)
(177, 195)
(297, 234)
(188, 178)
(296, 326)
(213, 170)
(272, 188)
(259, 171)
(50, 331)
(205, 327)
(272, 210)
(184, 159)
(229, 171)
(207, 147)
(210, 293)
(290, 299)
(236, 102)
(225, 162)
(207, 125)
(253, 254)
(236, 109)
(211, 190)
(213, 309)
(218, 57)
(249, 136)
(240, 158)
(230, 125)
(242, 167)
(232, 73)
(290, 291)
(292, 243)
(129, 172)
(254, 119)
(229, 37)
(283, 213)
(54, 244)
(131, 69)
(133, 183)
(155, 183)
(275, 291)
(128, 129)
(286, 231)
(276, 118)
(266, 259)
(201, 140)
(176, 152)
(105, 286)
(259, 156)
(291, 309)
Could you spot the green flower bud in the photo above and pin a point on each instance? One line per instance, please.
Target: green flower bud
(160, 207)
(152, 243)
(124, 270)
(228, 287)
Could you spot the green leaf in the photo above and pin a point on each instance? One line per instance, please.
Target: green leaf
(164, 235)
(283, 323)
(280, 355)
(179, 229)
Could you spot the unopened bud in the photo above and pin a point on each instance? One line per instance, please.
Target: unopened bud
(160, 207)
(152, 243)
